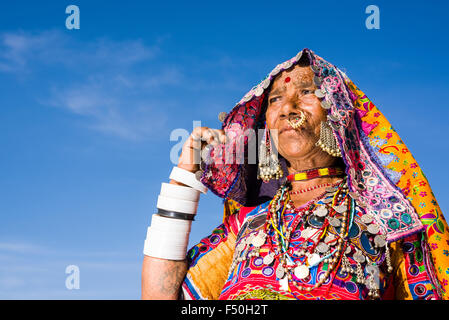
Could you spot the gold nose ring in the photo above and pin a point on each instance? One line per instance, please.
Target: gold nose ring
(298, 121)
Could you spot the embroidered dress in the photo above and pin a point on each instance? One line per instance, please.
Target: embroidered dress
(256, 278)
(383, 177)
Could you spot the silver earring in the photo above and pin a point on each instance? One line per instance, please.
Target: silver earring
(327, 142)
(269, 165)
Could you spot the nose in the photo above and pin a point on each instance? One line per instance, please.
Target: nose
(290, 109)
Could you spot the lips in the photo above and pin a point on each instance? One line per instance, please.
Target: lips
(285, 129)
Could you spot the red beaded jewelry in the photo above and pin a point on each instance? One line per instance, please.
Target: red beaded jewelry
(314, 188)
(315, 173)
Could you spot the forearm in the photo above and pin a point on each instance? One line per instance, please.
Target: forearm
(164, 265)
(162, 279)
(163, 272)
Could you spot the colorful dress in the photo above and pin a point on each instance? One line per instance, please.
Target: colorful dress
(257, 277)
(382, 174)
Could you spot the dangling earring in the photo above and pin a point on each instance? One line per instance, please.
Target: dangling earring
(327, 141)
(269, 166)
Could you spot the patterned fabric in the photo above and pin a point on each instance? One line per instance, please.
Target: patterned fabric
(209, 261)
(388, 182)
(252, 279)
(413, 183)
(412, 279)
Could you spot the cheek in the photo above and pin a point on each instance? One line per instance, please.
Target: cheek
(270, 117)
(318, 113)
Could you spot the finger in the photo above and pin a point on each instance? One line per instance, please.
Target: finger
(196, 138)
(220, 135)
(214, 136)
(208, 135)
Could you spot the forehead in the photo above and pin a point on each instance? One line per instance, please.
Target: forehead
(299, 75)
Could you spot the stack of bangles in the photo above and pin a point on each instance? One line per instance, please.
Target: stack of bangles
(168, 235)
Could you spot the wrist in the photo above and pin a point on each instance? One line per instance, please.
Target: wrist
(187, 178)
(168, 235)
(189, 167)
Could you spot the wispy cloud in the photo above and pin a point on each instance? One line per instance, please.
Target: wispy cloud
(109, 83)
(24, 52)
(18, 247)
(122, 88)
(110, 108)
(18, 48)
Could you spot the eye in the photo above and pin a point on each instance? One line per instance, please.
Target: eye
(274, 99)
(306, 91)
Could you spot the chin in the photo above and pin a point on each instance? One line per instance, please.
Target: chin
(292, 153)
(295, 148)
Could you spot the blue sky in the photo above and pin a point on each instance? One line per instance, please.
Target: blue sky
(86, 114)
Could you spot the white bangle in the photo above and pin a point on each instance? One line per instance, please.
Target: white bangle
(188, 178)
(169, 224)
(162, 246)
(177, 205)
(179, 192)
(167, 238)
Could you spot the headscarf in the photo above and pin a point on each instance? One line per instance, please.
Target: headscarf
(381, 172)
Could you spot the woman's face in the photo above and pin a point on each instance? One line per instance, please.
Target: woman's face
(292, 92)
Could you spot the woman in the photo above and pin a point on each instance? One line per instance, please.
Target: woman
(342, 213)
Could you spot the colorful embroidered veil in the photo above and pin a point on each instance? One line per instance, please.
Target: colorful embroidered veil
(381, 170)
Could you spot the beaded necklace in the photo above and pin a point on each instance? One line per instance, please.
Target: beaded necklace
(318, 186)
(336, 208)
(315, 173)
(319, 250)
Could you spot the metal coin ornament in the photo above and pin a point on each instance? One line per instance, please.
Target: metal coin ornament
(332, 118)
(317, 81)
(319, 93)
(222, 116)
(366, 219)
(340, 209)
(372, 269)
(307, 233)
(373, 229)
(348, 250)
(280, 272)
(330, 239)
(321, 211)
(325, 105)
(300, 244)
(313, 259)
(359, 257)
(198, 175)
(259, 240)
(268, 259)
(322, 247)
(301, 271)
(380, 240)
(334, 222)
